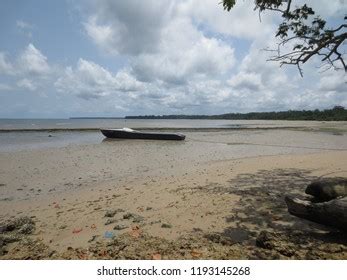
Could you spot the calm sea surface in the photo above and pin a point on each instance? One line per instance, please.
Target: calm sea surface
(6, 124)
(41, 137)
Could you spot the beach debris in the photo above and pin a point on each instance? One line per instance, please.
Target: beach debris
(112, 213)
(196, 253)
(93, 226)
(328, 205)
(109, 234)
(120, 227)
(331, 213)
(156, 256)
(135, 232)
(77, 230)
(166, 225)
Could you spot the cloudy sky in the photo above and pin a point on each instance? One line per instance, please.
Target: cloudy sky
(114, 58)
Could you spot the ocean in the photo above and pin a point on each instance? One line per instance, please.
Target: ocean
(26, 134)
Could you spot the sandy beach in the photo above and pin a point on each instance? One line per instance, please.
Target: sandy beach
(210, 196)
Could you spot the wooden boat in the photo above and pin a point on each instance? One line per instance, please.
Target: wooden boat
(127, 133)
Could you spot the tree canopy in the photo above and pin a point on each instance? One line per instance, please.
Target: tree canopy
(306, 33)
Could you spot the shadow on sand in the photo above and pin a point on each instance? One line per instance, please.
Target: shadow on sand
(260, 218)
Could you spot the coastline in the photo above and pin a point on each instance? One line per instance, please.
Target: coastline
(216, 197)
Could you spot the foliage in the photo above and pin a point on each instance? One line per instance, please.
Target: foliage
(338, 113)
(305, 33)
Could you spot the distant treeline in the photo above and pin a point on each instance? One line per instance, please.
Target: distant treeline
(338, 113)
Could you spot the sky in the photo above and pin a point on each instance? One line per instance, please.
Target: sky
(109, 58)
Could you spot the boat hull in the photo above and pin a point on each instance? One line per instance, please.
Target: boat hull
(121, 134)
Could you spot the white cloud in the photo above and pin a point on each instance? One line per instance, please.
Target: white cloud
(23, 25)
(33, 61)
(241, 22)
(184, 54)
(246, 80)
(128, 27)
(6, 67)
(334, 81)
(89, 80)
(26, 84)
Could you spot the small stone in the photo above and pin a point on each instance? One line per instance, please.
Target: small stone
(110, 221)
(112, 213)
(94, 237)
(120, 227)
(27, 229)
(136, 218)
(166, 225)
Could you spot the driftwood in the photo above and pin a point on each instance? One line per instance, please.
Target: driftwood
(332, 213)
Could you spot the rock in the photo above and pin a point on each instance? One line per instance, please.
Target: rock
(94, 237)
(327, 189)
(120, 227)
(3, 228)
(18, 224)
(166, 225)
(112, 213)
(264, 240)
(27, 229)
(110, 221)
(218, 238)
(275, 241)
(134, 217)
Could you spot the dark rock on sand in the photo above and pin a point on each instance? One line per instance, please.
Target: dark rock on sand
(112, 213)
(276, 242)
(27, 229)
(110, 221)
(14, 231)
(166, 226)
(327, 189)
(134, 217)
(25, 224)
(120, 227)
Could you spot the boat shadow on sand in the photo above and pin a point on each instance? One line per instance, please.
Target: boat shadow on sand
(260, 218)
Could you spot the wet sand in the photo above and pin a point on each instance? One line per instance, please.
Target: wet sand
(216, 191)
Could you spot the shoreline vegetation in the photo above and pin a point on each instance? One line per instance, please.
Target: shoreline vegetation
(338, 113)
